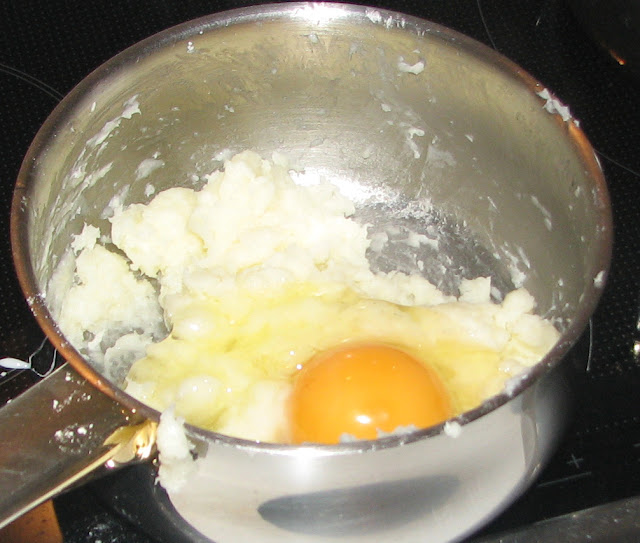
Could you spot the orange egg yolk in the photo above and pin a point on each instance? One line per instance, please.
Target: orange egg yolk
(361, 389)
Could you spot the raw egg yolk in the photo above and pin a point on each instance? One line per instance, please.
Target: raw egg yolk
(361, 389)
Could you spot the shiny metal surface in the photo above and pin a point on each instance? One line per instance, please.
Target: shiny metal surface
(58, 433)
(423, 127)
(444, 486)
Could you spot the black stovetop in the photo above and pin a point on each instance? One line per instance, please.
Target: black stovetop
(47, 46)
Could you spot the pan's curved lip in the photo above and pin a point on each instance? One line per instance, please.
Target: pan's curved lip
(304, 10)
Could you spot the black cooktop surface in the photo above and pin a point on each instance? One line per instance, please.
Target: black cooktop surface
(46, 47)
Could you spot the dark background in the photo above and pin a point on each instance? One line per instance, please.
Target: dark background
(46, 47)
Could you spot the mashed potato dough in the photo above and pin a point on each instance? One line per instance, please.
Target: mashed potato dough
(250, 277)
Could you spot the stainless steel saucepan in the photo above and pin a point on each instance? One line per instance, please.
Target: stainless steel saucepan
(426, 129)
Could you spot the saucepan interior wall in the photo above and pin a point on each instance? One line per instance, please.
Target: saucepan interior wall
(403, 122)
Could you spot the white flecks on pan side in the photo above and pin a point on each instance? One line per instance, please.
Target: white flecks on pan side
(516, 274)
(415, 69)
(116, 203)
(349, 188)
(555, 106)
(374, 16)
(599, 279)
(149, 190)
(545, 212)
(131, 108)
(512, 384)
(92, 178)
(147, 167)
(440, 158)
(379, 241)
(416, 240)
(389, 22)
(411, 132)
(452, 428)
(79, 179)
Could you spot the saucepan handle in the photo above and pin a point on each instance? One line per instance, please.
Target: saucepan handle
(58, 432)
